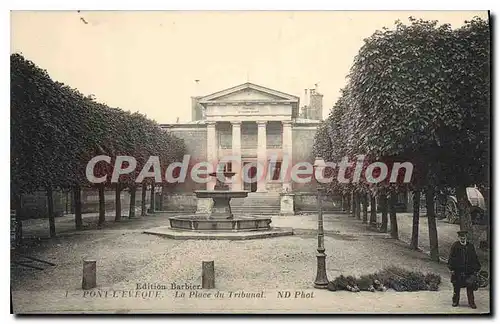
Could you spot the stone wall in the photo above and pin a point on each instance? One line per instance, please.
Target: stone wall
(90, 199)
(195, 138)
(307, 202)
(179, 202)
(35, 205)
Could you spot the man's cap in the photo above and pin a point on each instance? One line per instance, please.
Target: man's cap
(462, 233)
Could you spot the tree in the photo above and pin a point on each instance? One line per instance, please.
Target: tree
(44, 133)
(56, 130)
(406, 100)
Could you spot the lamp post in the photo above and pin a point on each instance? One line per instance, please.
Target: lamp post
(321, 281)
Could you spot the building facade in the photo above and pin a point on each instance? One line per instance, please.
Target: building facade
(257, 132)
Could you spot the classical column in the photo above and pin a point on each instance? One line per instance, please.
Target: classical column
(212, 150)
(287, 153)
(261, 155)
(236, 145)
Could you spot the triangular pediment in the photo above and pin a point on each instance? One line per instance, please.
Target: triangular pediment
(248, 92)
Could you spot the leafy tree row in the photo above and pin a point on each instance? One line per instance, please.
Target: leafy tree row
(56, 130)
(420, 93)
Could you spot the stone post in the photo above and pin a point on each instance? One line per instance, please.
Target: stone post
(89, 280)
(207, 275)
(287, 204)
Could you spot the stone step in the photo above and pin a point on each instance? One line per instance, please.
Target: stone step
(256, 204)
(266, 213)
(255, 208)
(252, 203)
(255, 211)
(265, 197)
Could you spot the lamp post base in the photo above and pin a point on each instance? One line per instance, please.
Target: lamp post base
(321, 286)
(321, 281)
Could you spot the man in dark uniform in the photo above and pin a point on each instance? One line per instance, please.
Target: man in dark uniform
(464, 265)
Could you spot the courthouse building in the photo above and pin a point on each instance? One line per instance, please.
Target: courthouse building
(254, 124)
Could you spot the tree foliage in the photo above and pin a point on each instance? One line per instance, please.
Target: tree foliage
(419, 92)
(56, 130)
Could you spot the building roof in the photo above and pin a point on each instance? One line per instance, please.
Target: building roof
(271, 94)
(190, 124)
(248, 85)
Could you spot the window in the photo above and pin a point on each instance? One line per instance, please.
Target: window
(225, 139)
(228, 167)
(275, 170)
(274, 136)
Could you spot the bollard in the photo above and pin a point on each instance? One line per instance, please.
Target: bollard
(89, 274)
(207, 275)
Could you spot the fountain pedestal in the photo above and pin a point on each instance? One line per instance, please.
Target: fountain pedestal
(221, 208)
(204, 206)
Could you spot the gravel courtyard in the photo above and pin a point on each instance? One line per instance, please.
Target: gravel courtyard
(127, 257)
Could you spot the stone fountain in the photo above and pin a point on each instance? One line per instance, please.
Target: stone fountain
(220, 217)
(219, 223)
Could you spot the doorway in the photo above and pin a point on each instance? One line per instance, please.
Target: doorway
(252, 172)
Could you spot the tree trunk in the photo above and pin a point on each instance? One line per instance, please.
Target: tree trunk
(118, 203)
(365, 208)
(131, 210)
(143, 199)
(487, 216)
(50, 209)
(67, 202)
(358, 206)
(348, 204)
(102, 206)
(77, 196)
(353, 204)
(152, 199)
(393, 216)
(383, 209)
(373, 210)
(464, 209)
(416, 219)
(18, 204)
(431, 220)
(162, 194)
(409, 202)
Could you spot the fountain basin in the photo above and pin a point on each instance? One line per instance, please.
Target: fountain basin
(236, 224)
(220, 194)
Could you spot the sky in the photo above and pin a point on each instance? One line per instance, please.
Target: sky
(148, 61)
